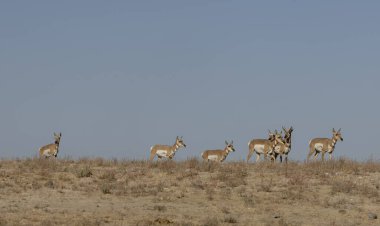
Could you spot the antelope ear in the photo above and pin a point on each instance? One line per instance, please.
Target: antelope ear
(60, 134)
(283, 128)
(226, 142)
(339, 130)
(334, 130)
(291, 128)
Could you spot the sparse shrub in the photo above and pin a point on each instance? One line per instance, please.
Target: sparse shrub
(232, 176)
(47, 222)
(160, 208)
(210, 221)
(226, 193)
(139, 190)
(292, 193)
(209, 193)
(186, 224)
(108, 175)
(167, 166)
(296, 180)
(87, 222)
(192, 163)
(336, 202)
(99, 161)
(349, 187)
(265, 186)
(368, 191)
(230, 220)
(84, 172)
(189, 173)
(282, 222)
(225, 210)
(249, 200)
(198, 184)
(208, 166)
(342, 186)
(143, 189)
(106, 188)
(3, 222)
(36, 185)
(163, 221)
(145, 223)
(49, 184)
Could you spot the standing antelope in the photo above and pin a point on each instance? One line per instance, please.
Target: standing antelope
(166, 151)
(264, 146)
(284, 149)
(218, 155)
(324, 145)
(51, 149)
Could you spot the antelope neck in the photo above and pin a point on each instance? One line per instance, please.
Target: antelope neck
(176, 147)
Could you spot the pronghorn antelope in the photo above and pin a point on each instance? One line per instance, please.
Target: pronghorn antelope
(218, 155)
(284, 149)
(51, 149)
(324, 145)
(264, 146)
(166, 151)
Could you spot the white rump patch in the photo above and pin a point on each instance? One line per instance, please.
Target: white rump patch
(213, 157)
(162, 153)
(318, 146)
(259, 148)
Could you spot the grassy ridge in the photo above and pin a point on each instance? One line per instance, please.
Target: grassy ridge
(190, 192)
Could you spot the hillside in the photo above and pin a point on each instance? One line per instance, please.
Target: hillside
(111, 192)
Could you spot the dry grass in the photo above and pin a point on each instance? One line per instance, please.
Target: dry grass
(121, 192)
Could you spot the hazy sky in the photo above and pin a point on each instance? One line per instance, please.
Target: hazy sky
(116, 77)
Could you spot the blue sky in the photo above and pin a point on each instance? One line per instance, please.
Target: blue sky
(117, 77)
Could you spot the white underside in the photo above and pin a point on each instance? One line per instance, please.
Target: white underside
(259, 148)
(162, 153)
(48, 153)
(319, 147)
(213, 157)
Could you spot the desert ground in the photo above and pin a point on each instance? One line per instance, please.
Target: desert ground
(122, 192)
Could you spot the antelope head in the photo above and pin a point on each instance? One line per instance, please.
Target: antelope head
(277, 138)
(337, 135)
(230, 146)
(179, 142)
(288, 132)
(57, 138)
(271, 136)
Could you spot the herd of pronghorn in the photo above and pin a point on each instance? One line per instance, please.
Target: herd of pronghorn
(277, 145)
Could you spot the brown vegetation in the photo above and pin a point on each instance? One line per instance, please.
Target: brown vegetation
(192, 192)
